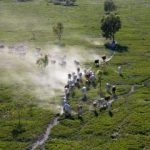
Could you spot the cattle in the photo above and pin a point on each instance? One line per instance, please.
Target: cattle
(69, 76)
(78, 70)
(2, 46)
(113, 89)
(66, 86)
(114, 92)
(67, 109)
(43, 61)
(120, 70)
(104, 58)
(95, 104)
(67, 92)
(96, 62)
(84, 92)
(63, 63)
(92, 78)
(53, 61)
(107, 98)
(107, 87)
(80, 111)
(102, 103)
(11, 50)
(87, 75)
(77, 63)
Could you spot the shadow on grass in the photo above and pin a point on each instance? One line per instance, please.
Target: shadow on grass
(122, 76)
(73, 5)
(80, 118)
(118, 47)
(110, 113)
(17, 130)
(60, 3)
(59, 44)
(95, 113)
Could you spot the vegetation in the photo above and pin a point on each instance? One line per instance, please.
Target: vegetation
(129, 127)
(109, 6)
(99, 74)
(110, 24)
(58, 30)
(43, 61)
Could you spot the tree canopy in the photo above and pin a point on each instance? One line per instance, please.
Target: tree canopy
(58, 30)
(109, 6)
(110, 24)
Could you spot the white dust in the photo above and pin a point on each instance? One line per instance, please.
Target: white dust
(18, 65)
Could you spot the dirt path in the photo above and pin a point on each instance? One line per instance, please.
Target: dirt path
(45, 136)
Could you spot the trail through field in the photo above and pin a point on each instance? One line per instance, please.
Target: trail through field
(45, 136)
(132, 90)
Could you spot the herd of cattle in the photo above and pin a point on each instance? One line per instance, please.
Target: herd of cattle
(84, 80)
(19, 50)
(81, 79)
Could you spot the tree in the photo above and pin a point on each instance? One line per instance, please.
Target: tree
(58, 30)
(43, 61)
(19, 126)
(110, 24)
(19, 107)
(109, 6)
(99, 74)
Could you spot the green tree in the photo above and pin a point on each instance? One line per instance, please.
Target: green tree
(110, 24)
(99, 74)
(58, 30)
(43, 61)
(109, 6)
(19, 126)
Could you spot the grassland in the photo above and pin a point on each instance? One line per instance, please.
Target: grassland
(81, 23)
(19, 20)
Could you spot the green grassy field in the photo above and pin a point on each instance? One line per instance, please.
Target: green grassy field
(130, 119)
(19, 20)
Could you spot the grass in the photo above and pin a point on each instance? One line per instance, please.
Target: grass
(130, 121)
(81, 25)
(17, 101)
(19, 20)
